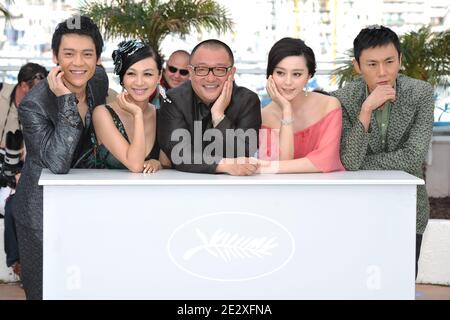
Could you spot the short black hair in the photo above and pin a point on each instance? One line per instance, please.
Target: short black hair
(374, 36)
(288, 47)
(81, 25)
(127, 60)
(27, 73)
(213, 43)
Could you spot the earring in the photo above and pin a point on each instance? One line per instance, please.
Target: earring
(306, 92)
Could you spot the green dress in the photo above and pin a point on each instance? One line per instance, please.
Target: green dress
(104, 159)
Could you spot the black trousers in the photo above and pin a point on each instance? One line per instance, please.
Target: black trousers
(10, 236)
(31, 260)
(418, 245)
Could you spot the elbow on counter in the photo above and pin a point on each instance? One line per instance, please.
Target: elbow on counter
(350, 165)
(136, 168)
(59, 169)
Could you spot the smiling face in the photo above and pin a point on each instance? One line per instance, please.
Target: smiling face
(209, 87)
(140, 79)
(290, 76)
(379, 65)
(177, 62)
(77, 58)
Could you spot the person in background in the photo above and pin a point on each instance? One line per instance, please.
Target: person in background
(10, 96)
(387, 117)
(176, 71)
(301, 131)
(29, 75)
(174, 74)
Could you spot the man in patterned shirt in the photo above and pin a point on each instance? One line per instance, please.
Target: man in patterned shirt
(387, 117)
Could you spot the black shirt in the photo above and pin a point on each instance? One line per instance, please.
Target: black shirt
(182, 109)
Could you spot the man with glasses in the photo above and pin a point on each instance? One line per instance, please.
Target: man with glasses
(176, 71)
(174, 74)
(209, 124)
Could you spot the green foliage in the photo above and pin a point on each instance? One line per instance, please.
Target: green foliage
(426, 56)
(151, 21)
(346, 72)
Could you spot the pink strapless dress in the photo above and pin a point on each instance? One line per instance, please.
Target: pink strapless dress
(320, 143)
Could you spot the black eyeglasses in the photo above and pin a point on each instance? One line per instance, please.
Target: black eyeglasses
(217, 71)
(183, 72)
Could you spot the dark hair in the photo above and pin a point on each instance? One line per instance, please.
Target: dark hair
(374, 36)
(322, 91)
(213, 43)
(79, 25)
(288, 47)
(132, 51)
(27, 73)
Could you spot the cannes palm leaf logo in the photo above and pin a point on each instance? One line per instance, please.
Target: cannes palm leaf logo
(228, 246)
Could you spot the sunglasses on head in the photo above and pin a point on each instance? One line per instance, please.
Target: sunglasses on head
(183, 72)
(38, 76)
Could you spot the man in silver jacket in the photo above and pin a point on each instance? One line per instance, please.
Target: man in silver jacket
(387, 117)
(56, 119)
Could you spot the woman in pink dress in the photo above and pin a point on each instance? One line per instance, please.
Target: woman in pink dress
(301, 130)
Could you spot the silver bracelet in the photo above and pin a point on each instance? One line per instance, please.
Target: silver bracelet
(286, 122)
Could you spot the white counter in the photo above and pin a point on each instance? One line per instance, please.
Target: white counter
(173, 235)
(78, 177)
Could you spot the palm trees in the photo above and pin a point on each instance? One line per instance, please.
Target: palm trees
(426, 56)
(151, 21)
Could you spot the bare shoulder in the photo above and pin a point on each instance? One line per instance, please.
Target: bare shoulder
(324, 103)
(332, 103)
(101, 112)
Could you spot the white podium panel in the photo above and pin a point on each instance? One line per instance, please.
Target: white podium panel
(117, 235)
